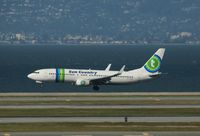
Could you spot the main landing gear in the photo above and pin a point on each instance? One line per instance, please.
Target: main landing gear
(96, 88)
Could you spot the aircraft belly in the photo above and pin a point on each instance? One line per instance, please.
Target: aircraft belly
(118, 81)
(70, 79)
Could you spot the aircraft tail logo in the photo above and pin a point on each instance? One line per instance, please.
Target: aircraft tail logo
(154, 63)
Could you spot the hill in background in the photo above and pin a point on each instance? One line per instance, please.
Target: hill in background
(100, 21)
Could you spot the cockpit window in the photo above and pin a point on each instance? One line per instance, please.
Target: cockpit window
(36, 72)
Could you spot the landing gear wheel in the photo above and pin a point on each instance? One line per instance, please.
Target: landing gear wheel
(96, 88)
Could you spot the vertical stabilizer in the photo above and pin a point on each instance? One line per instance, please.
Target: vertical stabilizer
(154, 63)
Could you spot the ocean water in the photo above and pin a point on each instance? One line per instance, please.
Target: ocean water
(182, 63)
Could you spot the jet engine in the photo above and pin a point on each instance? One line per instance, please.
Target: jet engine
(82, 82)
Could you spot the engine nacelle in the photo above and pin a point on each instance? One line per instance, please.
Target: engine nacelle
(82, 82)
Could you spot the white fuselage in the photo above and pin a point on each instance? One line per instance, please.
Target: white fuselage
(72, 75)
(85, 77)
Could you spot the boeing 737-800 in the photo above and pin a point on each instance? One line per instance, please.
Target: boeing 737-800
(86, 77)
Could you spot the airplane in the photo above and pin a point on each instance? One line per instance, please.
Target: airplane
(95, 78)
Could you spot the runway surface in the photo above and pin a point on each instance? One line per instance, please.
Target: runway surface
(97, 119)
(95, 98)
(51, 97)
(49, 106)
(39, 97)
(101, 134)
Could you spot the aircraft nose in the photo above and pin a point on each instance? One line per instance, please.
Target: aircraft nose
(30, 76)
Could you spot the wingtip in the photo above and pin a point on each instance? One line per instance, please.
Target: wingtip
(108, 67)
(122, 69)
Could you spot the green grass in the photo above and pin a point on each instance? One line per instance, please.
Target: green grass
(81, 127)
(100, 112)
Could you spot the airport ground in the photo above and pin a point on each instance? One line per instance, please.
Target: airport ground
(100, 114)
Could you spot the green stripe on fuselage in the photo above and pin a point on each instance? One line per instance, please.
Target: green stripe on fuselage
(62, 75)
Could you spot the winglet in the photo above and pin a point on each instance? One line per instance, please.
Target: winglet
(108, 67)
(122, 69)
(107, 78)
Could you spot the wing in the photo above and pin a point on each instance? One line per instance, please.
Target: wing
(103, 80)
